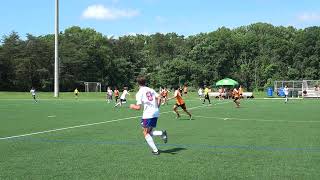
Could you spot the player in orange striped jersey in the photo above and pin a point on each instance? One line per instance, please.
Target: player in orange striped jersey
(179, 103)
(236, 96)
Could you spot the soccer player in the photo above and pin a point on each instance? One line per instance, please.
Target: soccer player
(185, 89)
(150, 100)
(109, 94)
(33, 93)
(164, 95)
(236, 96)
(116, 94)
(206, 94)
(221, 93)
(200, 93)
(76, 93)
(179, 103)
(286, 93)
(123, 97)
(241, 91)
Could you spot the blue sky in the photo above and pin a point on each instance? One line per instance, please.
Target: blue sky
(123, 17)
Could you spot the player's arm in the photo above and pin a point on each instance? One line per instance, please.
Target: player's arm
(175, 95)
(137, 106)
(158, 98)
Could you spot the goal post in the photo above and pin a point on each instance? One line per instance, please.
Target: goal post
(92, 86)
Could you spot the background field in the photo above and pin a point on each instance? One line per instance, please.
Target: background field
(264, 139)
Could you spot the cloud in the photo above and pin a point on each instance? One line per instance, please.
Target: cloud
(309, 17)
(101, 12)
(160, 19)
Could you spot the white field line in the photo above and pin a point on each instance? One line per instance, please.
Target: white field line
(254, 119)
(91, 124)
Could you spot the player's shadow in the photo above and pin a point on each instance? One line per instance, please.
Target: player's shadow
(173, 151)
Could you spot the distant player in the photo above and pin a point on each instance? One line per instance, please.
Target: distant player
(221, 91)
(286, 93)
(185, 89)
(123, 97)
(236, 96)
(241, 91)
(164, 95)
(206, 95)
(200, 93)
(179, 103)
(116, 94)
(76, 93)
(151, 102)
(109, 94)
(33, 93)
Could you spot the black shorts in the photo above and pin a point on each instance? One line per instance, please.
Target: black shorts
(164, 96)
(123, 100)
(183, 106)
(185, 92)
(236, 98)
(76, 94)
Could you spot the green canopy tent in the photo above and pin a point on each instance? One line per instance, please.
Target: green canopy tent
(227, 82)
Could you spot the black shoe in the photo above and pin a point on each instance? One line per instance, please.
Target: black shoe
(156, 153)
(165, 136)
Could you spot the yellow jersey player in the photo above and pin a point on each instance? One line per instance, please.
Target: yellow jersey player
(206, 94)
(76, 93)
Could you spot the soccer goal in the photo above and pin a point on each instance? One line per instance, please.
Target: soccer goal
(295, 88)
(92, 86)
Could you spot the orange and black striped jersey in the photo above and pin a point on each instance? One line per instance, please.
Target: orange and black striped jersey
(179, 99)
(235, 92)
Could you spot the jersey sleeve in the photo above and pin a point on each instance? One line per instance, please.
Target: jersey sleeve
(139, 98)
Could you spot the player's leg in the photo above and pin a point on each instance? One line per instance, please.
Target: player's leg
(175, 109)
(286, 96)
(238, 102)
(146, 125)
(184, 107)
(118, 103)
(163, 134)
(34, 98)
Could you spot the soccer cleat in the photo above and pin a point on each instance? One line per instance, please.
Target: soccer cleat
(165, 136)
(156, 152)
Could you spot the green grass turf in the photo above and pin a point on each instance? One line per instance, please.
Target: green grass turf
(264, 139)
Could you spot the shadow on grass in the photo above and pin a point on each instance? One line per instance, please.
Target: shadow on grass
(173, 151)
(185, 119)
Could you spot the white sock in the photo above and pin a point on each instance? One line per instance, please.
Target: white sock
(156, 133)
(151, 143)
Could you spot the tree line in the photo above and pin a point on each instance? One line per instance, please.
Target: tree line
(254, 55)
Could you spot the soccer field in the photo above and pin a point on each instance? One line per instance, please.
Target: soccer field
(90, 139)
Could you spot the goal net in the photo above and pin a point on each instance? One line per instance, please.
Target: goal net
(295, 88)
(92, 86)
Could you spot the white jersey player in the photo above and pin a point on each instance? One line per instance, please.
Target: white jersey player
(286, 93)
(123, 97)
(150, 100)
(33, 93)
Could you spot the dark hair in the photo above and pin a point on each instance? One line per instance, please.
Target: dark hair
(141, 80)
